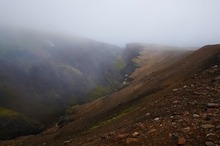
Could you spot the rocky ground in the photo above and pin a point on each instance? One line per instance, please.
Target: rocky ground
(188, 115)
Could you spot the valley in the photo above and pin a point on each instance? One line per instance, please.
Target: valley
(146, 94)
(109, 73)
(43, 75)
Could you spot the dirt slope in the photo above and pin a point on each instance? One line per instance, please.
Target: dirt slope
(153, 114)
(186, 115)
(187, 112)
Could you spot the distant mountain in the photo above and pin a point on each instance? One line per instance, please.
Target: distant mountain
(41, 75)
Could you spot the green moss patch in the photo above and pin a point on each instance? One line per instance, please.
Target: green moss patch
(7, 113)
(113, 117)
(99, 92)
(120, 64)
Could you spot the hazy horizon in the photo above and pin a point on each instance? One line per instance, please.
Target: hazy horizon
(170, 22)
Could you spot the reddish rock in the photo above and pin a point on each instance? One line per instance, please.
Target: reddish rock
(186, 119)
(181, 141)
(186, 113)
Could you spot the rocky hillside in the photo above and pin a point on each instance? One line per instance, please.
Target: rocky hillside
(176, 104)
(184, 113)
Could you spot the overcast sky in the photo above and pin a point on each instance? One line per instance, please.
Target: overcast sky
(171, 22)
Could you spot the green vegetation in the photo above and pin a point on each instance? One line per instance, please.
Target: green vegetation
(113, 117)
(13, 124)
(71, 110)
(68, 68)
(67, 117)
(120, 64)
(7, 113)
(99, 92)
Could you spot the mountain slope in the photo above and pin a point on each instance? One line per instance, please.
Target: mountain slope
(186, 113)
(87, 115)
(176, 104)
(41, 75)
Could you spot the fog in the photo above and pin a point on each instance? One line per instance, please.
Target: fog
(172, 22)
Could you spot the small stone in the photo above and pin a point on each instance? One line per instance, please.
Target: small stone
(186, 113)
(207, 126)
(210, 135)
(181, 141)
(173, 123)
(209, 143)
(121, 136)
(175, 102)
(196, 116)
(174, 90)
(185, 86)
(147, 114)
(67, 142)
(156, 119)
(213, 105)
(152, 130)
(186, 130)
(131, 140)
(135, 134)
(215, 66)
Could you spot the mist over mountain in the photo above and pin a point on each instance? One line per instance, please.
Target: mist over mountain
(179, 23)
(72, 70)
(41, 75)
